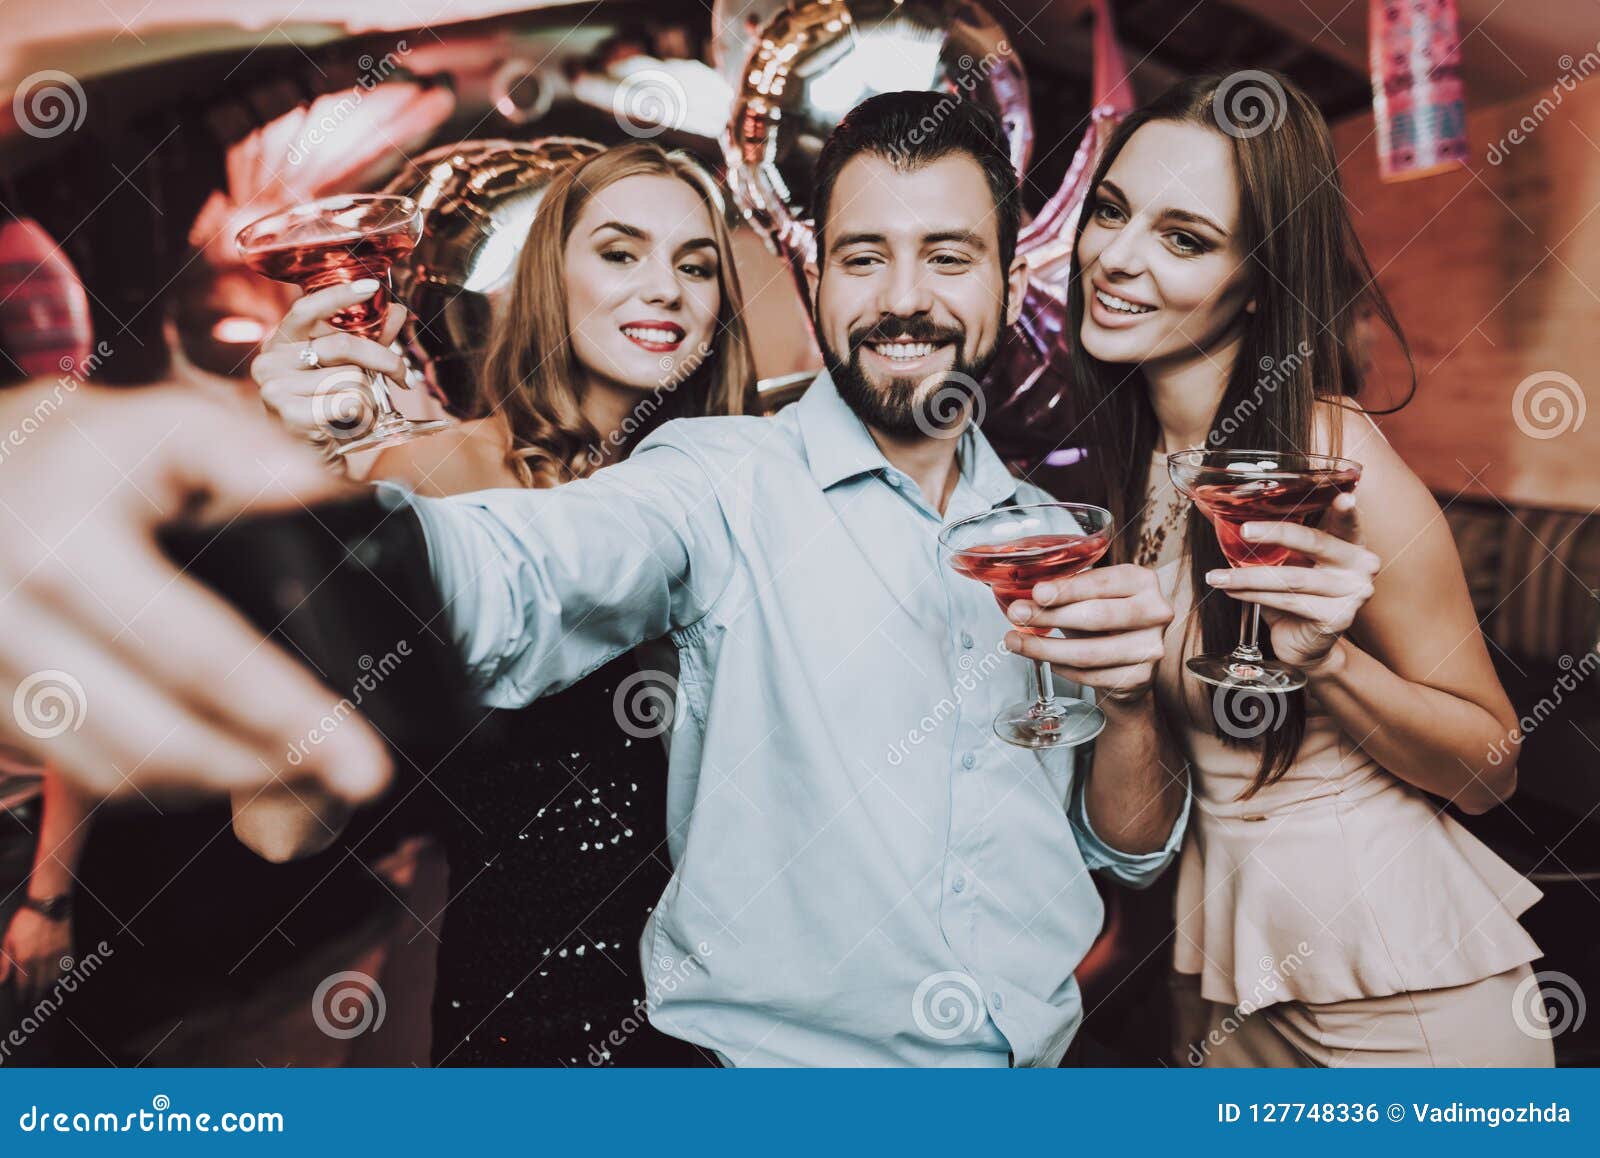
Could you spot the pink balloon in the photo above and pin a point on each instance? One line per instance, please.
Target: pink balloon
(1024, 391)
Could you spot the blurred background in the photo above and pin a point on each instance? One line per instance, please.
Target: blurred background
(136, 140)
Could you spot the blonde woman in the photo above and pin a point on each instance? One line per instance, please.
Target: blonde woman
(625, 312)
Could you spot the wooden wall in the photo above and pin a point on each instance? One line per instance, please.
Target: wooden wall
(1495, 274)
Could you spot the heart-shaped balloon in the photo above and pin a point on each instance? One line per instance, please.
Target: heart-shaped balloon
(478, 200)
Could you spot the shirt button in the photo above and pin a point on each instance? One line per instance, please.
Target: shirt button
(958, 884)
(969, 760)
(966, 639)
(997, 1001)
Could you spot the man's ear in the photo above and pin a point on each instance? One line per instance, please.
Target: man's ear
(813, 278)
(1250, 306)
(1017, 284)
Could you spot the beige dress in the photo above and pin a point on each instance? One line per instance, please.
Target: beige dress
(1337, 885)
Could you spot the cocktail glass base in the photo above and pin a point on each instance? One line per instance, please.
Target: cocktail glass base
(1266, 676)
(1061, 724)
(391, 430)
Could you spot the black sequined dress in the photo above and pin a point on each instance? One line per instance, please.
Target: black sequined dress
(557, 857)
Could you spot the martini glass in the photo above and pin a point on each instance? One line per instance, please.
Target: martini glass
(1235, 487)
(1011, 549)
(333, 241)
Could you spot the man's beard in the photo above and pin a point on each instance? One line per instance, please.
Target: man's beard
(895, 410)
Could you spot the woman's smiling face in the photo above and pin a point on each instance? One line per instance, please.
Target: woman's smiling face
(1164, 274)
(643, 291)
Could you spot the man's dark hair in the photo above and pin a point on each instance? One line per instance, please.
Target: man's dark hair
(911, 129)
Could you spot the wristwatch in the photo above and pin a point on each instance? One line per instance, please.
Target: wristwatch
(50, 908)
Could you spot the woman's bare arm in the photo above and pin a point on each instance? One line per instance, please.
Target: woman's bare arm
(465, 458)
(1412, 682)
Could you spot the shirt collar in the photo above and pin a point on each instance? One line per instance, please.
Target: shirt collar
(838, 446)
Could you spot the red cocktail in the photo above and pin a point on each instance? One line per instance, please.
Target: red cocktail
(1011, 549)
(1011, 569)
(334, 241)
(1235, 487)
(319, 265)
(1230, 505)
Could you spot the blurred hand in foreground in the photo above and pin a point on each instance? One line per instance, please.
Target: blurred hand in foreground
(122, 671)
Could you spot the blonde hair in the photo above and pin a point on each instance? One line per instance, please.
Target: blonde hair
(530, 372)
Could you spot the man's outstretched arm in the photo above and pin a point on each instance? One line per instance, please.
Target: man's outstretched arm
(541, 587)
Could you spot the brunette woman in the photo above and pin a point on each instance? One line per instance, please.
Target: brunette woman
(1330, 911)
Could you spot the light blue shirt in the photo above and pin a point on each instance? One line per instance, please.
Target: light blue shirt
(864, 874)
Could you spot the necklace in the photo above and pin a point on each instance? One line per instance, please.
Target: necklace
(1164, 510)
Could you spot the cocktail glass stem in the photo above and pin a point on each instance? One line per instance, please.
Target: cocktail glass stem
(377, 384)
(378, 387)
(389, 426)
(1247, 656)
(1044, 693)
(1044, 721)
(1249, 649)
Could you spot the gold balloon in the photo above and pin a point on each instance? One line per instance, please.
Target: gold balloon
(478, 199)
(818, 59)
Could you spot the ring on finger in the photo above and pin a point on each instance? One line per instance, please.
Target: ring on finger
(308, 356)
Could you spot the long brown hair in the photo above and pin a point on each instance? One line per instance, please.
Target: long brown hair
(531, 374)
(1310, 278)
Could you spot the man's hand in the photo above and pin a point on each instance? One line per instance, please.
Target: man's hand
(1113, 619)
(118, 669)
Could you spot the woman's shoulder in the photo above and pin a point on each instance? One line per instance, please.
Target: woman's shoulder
(1396, 505)
(1342, 427)
(469, 456)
